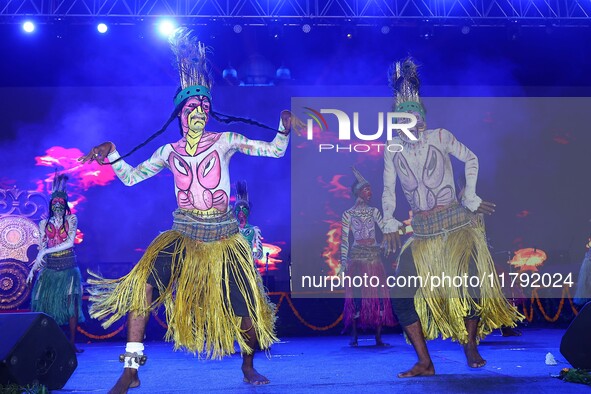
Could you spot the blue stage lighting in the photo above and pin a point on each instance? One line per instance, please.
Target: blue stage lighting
(166, 27)
(28, 26)
(102, 28)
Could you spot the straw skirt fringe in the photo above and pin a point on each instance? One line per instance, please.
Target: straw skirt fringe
(199, 313)
(443, 308)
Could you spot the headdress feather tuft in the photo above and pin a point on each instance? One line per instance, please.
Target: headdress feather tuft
(58, 188)
(360, 183)
(241, 191)
(404, 80)
(242, 195)
(193, 67)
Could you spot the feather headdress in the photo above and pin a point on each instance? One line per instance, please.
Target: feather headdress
(193, 66)
(360, 183)
(405, 83)
(58, 189)
(241, 195)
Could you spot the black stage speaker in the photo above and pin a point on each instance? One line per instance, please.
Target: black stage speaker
(34, 350)
(575, 345)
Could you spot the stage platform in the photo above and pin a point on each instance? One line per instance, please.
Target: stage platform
(327, 364)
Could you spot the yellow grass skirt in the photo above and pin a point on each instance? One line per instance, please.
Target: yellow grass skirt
(198, 312)
(442, 309)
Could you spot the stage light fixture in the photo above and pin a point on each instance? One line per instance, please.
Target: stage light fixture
(426, 32)
(28, 27)
(306, 28)
(275, 29)
(349, 29)
(283, 76)
(102, 28)
(283, 73)
(230, 74)
(465, 29)
(166, 27)
(237, 29)
(385, 29)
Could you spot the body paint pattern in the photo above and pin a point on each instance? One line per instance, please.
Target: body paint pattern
(361, 222)
(202, 181)
(57, 237)
(426, 174)
(255, 240)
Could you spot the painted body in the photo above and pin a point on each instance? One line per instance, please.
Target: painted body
(202, 180)
(426, 176)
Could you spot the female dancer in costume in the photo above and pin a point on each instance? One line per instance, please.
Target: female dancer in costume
(58, 290)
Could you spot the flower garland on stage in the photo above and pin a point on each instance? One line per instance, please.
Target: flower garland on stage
(536, 299)
(528, 310)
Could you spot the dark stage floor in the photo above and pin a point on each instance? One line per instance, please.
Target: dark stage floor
(328, 364)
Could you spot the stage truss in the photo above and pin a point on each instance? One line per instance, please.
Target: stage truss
(301, 12)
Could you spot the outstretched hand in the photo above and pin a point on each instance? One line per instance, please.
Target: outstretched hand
(31, 276)
(98, 153)
(37, 264)
(291, 122)
(486, 207)
(392, 242)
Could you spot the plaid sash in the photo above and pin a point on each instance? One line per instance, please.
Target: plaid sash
(205, 228)
(442, 220)
(367, 254)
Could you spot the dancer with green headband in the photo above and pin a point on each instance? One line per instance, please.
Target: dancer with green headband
(448, 240)
(202, 269)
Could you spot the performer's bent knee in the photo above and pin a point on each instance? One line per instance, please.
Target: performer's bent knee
(405, 311)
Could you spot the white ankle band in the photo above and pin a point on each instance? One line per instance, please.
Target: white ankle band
(133, 351)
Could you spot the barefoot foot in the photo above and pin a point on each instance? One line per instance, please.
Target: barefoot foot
(129, 379)
(419, 369)
(510, 332)
(473, 357)
(353, 342)
(381, 343)
(76, 348)
(253, 377)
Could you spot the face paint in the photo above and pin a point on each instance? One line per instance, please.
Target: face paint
(365, 193)
(195, 114)
(58, 206)
(417, 131)
(242, 212)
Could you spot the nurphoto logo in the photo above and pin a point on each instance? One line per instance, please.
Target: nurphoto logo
(390, 121)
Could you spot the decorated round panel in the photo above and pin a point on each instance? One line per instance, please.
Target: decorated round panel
(13, 284)
(17, 234)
